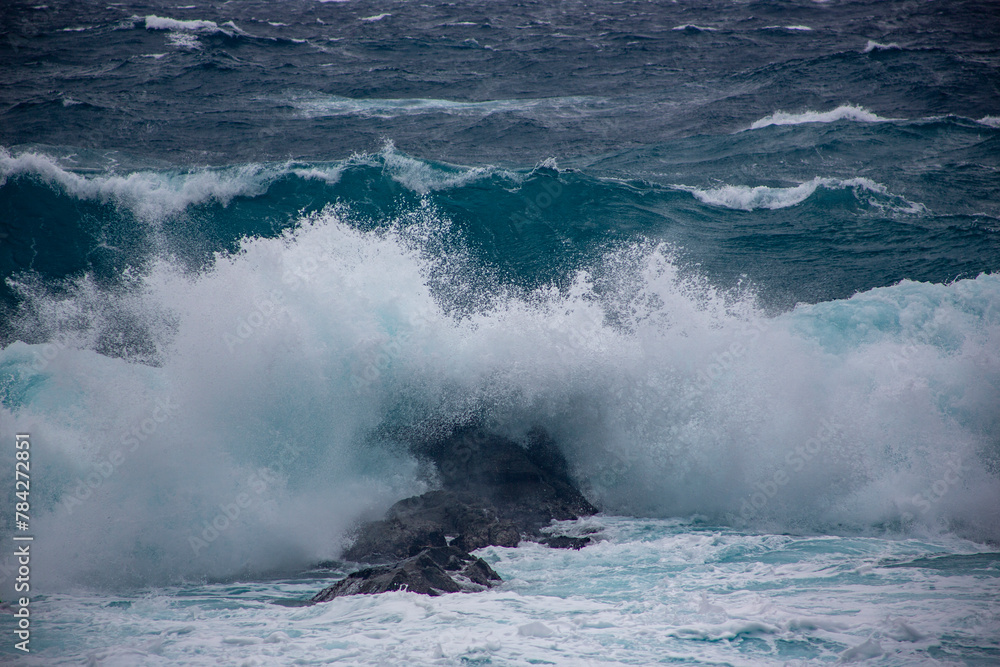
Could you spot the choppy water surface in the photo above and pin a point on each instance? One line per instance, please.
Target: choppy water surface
(738, 259)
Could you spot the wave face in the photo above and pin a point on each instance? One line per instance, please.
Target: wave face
(243, 407)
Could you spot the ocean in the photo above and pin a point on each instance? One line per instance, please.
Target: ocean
(739, 259)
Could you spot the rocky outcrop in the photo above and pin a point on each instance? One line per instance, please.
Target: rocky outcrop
(494, 492)
(431, 571)
(433, 519)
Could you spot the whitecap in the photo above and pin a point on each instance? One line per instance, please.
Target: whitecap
(154, 22)
(876, 46)
(693, 28)
(749, 198)
(843, 112)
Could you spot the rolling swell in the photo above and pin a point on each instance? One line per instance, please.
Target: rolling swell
(70, 216)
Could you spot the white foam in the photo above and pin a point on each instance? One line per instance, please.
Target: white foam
(668, 396)
(803, 28)
(845, 112)
(183, 40)
(422, 177)
(655, 591)
(749, 198)
(155, 195)
(377, 17)
(691, 26)
(150, 195)
(992, 121)
(318, 106)
(154, 22)
(876, 46)
(329, 175)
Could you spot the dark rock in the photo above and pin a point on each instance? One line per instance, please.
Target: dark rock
(495, 532)
(431, 571)
(495, 493)
(423, 521)
(529, 486)
(566, 542)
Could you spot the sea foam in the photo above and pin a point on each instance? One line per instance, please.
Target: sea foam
(295, 370)
(844, 112)
(749, 198)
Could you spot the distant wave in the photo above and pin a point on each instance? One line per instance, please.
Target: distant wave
(844, 112)
(315, 105)
(154, 22)
(694, 28)
(149, 195)
(746, 198)
(155, 195)
(875, 46)
(788, 27)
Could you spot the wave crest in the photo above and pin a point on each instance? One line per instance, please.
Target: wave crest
(845, 112)
(749, 198)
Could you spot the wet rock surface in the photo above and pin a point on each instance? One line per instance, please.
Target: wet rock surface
(431, 571)
(494, 492)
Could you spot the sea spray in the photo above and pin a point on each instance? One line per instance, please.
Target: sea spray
(632, 390)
